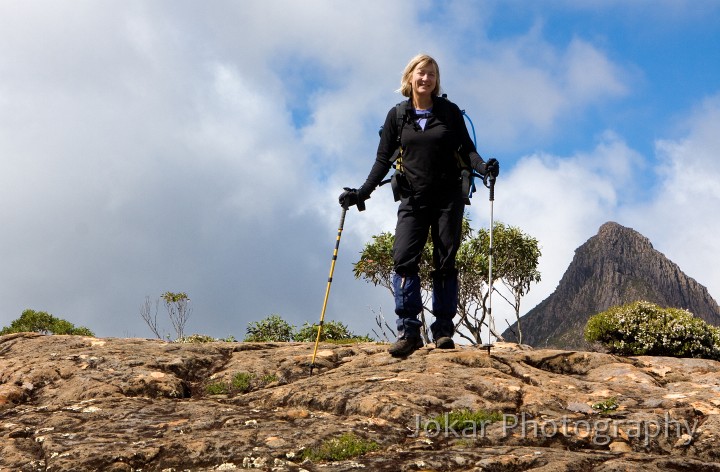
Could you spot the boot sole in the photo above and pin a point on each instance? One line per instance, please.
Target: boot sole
(405, 352)
(445, 343)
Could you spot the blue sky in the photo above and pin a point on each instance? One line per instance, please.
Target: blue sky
(200, 147)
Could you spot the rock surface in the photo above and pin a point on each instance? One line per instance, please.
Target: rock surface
(616, 266)
(70, 403)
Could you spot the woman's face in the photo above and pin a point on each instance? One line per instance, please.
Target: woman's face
(424, 79)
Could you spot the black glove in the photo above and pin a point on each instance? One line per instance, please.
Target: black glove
(492, 167)
(348, 198)
(352, 197)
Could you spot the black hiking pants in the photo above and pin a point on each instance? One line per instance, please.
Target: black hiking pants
(441, 217)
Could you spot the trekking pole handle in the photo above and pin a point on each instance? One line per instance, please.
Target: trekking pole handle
(489, 181)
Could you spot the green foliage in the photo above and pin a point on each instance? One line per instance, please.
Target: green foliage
(347, 446)
(606, 406)
(203, 338)
(217, 388)
(197, 339)
(43, 322)
(376, 261)
(269, 378)
(464, 418)
(516, 256)
(241, 382)
(272, 328)
(331, 331)
(275, 329)
(643, 328)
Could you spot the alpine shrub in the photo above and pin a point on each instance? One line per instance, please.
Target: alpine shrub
(275, 329)
(331, 331)
(464, 418)
(45, 323)
(346, 446)
(643, 328)
(204, 338)
(272, 328)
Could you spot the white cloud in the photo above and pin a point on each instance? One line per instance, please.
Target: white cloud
(527, 88)
(682, 220)
(588, 75)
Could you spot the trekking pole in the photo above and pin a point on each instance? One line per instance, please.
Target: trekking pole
(327, 290)
(491, 324)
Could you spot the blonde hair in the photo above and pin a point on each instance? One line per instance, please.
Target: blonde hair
(421, 60)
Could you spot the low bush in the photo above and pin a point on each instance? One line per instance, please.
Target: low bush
(204, 338)
(241, 382)
(331, 331)
(464, 418)
(643, 328)
(217, 388)
(275, 329)
(606, 406)
(346, 446)
(271, 329)
(45, 323)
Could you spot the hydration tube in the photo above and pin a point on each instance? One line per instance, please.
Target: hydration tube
(472, 174)
(472, 126)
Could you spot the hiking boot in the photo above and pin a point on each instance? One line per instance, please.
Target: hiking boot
(444, 343)
(403, 347)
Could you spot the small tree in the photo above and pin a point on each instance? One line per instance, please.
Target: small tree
(179, 310)
(515, 260)
(150, 316)
(45, 323)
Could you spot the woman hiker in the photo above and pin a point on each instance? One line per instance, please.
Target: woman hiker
(430, 134)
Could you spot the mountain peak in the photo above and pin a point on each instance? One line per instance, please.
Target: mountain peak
(611, 230)
(614, 233)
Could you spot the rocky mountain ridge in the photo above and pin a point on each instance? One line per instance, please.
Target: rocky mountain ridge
(73, 403)
(616, 266)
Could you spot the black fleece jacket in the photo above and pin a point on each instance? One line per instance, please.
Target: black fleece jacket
(428, 157)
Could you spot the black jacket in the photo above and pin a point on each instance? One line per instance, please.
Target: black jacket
(428, 159)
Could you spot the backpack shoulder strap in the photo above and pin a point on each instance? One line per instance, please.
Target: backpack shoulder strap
(442, 104)
(462, 158)
(401, 118)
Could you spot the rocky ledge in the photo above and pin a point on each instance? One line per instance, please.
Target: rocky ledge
(79, 403)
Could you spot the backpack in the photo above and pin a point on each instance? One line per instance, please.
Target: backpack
(399, 181)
